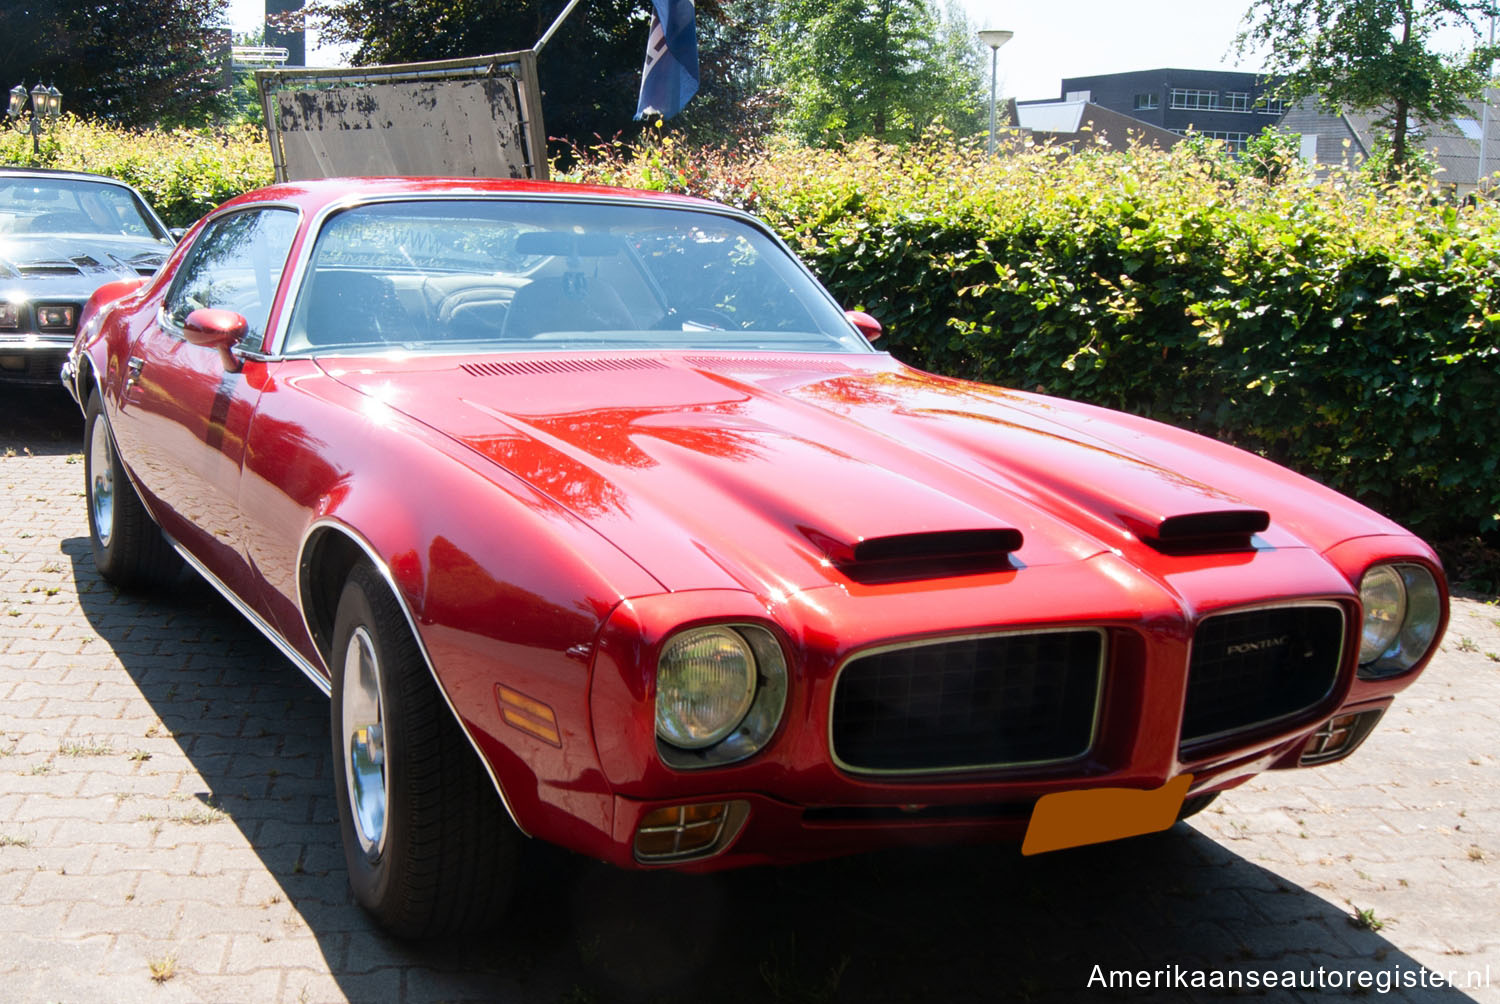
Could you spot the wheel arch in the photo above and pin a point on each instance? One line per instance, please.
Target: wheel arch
(86, 380)
(330, 551)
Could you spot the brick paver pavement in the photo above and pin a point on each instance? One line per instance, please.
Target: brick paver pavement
(167, 834)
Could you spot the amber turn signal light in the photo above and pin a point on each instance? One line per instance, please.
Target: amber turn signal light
(677, 832)
(1338, 737)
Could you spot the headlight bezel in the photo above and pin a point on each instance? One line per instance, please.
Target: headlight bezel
(760, 720)
(1421, 618)
(56, 318)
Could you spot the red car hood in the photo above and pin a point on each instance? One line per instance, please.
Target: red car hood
(776, 473)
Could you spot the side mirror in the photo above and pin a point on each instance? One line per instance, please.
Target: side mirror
(177, 234)
(217, 329)
(867, 325)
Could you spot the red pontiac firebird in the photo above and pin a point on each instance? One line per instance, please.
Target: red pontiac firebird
(601, 522)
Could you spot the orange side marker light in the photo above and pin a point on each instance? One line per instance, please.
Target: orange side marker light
(529, 715)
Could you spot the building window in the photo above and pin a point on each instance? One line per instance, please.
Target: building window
(1194, 100)
(1236, 101)
(1235, 141)
(1147, 102)
(1273, 106)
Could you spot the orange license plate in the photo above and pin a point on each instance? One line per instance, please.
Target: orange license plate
(1096, 815)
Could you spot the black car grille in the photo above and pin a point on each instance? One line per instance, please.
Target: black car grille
(1004, 700)
(34, 366)
(1258, 667)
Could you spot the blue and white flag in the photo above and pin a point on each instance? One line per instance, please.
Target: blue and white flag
(670, 78)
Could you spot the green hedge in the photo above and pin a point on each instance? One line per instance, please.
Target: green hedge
(1345, 329)
(184, 173)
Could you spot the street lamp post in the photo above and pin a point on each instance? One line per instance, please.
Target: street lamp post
(1484, 123)
(994, 38)
(46, 106)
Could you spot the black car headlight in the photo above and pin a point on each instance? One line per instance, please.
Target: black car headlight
(1402, 610)
(720, 691)
(61, 317)
(10, 316)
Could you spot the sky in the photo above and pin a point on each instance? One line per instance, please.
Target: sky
(1056, 39)
(1052, 40)
(1075, 38)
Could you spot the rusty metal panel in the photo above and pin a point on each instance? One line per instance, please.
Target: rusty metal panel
(469, 118)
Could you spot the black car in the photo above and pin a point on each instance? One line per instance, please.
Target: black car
(62, 236)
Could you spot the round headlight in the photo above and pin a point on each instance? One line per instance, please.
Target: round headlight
(1424, 612)
(705, 684)
(1383, 596)
(1386, 651)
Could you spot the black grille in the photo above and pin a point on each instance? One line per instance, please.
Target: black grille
(37, 366)
(1258, 667)
(981, 702)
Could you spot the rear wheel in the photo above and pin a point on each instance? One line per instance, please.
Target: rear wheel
(428, 846)
(130, 550)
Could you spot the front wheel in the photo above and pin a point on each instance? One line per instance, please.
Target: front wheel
(1194, 804)
(130, 550)
(426, 841)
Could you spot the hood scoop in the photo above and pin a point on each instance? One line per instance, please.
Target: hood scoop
(1200, 532)
(49, 268)
(929, 555)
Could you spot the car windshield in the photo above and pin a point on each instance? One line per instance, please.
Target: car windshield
(32, 205)
(465, 275)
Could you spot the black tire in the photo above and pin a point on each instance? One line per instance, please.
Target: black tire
(441, 856)
(130, 550)
(1194, 804)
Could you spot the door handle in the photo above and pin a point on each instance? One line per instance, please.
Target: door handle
(134, 364)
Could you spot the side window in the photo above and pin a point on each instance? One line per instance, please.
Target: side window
(236, 265)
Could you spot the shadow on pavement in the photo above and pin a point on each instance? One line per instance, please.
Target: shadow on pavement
(42, 421)
(971, 923)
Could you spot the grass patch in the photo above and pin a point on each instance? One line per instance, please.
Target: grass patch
(1365, 919)
(163, 968)
(86, 748)
(200, 815)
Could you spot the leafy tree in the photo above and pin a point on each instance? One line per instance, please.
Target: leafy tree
(1374, 56)
(242, 103)
(882, 68)
(736, 102)
(591, 69)
(134, 62)
(1272, 154)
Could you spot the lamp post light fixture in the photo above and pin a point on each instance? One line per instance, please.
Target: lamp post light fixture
(46, 106)
(994, 38)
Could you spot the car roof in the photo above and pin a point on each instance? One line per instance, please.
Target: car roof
(52, 172)
(315, 194)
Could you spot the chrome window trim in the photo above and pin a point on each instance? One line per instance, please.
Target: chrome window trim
(384, 571)
(1185, 745)
(164, 321)
(297, 271)
(971, 636)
